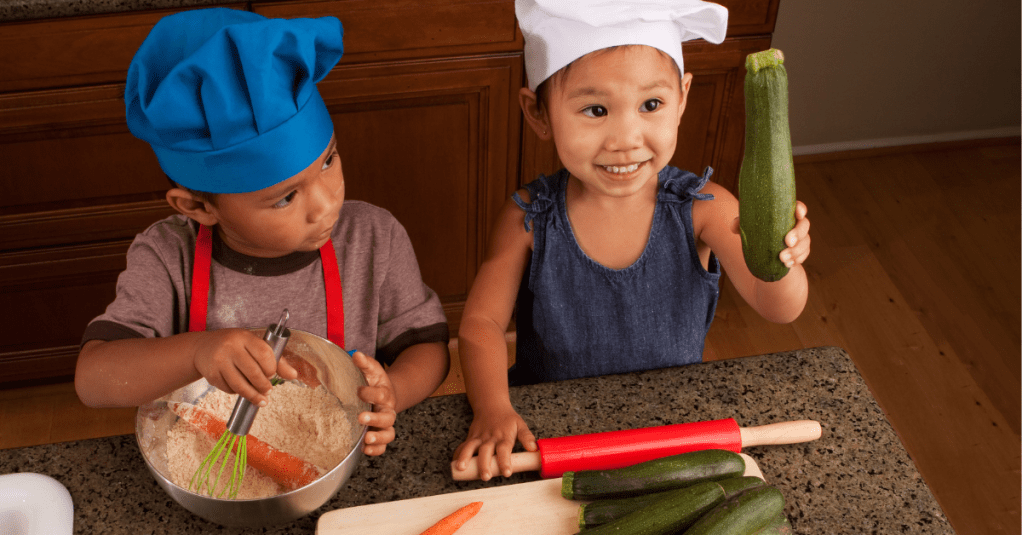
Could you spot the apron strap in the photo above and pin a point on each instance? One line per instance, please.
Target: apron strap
(200, 287)
(200, 280)
(334, 294)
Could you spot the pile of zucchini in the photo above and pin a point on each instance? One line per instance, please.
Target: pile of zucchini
(697, 493)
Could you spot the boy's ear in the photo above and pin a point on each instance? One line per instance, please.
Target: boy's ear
(534, 115)
(183, 201)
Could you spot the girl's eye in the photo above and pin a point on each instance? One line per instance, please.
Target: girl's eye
(594, 111)
(286, 200)
(651, 105)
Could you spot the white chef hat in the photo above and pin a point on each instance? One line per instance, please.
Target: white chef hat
(558, 32)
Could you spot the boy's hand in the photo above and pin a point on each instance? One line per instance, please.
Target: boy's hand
(492, 434)
(238, 361)
(380, 393)
(797, 238)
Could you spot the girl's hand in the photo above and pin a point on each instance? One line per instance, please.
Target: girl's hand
(379, 393)
(797, 238)
(494, 434)
(238, 361)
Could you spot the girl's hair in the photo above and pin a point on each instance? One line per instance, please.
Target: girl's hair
(542, 89)
(202, 196)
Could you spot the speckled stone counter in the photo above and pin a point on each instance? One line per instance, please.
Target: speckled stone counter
(856, 479)
(15, 10)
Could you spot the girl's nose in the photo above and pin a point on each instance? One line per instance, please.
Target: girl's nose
(625, 133)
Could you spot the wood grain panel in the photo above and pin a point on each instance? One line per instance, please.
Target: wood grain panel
(73, 51)
(411, 28)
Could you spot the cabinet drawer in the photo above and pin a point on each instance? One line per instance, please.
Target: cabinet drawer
(73, 51)
(412, 28)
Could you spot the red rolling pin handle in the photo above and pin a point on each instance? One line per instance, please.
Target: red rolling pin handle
(616, 449)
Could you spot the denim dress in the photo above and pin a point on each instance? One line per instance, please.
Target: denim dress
(578, 318)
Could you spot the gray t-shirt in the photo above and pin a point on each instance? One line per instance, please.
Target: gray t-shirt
(387, 307)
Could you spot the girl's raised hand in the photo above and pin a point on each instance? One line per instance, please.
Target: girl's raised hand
(797, 239)
(494, 434)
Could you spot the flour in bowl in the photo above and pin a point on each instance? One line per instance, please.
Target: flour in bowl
(308, 423)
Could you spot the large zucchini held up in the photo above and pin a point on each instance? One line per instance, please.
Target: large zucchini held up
(766, 182)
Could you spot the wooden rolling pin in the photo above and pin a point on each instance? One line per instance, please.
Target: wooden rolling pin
(615, 449)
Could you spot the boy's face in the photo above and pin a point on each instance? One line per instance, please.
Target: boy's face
(297, 214)
(614, 116)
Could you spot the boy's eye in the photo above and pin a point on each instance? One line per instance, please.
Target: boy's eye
(594, 111)
(286, 200)
(651, 105)
(329, 160)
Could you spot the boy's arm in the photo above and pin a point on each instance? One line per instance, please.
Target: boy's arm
(417, 372)
(715, 224)
(130, 372)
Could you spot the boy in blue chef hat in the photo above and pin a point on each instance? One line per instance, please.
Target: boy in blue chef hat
(227, 100)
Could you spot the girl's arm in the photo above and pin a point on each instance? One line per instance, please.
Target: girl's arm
(483, 349)
(716, 226)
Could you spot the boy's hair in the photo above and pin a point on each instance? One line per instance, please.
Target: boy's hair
(201, 196)
(542, 89)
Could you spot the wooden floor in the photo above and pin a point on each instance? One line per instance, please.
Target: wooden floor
(915, 270)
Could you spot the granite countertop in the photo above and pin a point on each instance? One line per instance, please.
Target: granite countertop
(16, 10)
(856, 479)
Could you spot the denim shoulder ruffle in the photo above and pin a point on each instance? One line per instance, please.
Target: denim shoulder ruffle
(542, 196)
(680, 186)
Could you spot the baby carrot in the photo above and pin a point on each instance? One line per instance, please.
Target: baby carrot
(290, 471)
(450, 523)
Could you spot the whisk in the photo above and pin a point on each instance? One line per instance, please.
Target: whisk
(233, 441)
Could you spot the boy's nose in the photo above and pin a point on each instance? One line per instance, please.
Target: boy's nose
(326, 199)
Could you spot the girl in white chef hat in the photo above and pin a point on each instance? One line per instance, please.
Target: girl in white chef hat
(612, 263)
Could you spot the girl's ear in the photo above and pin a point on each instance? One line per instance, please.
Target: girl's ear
(534, 115)
(686, 84)
(183, 201)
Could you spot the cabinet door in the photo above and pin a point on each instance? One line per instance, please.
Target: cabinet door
(432, 141)
(436, 144)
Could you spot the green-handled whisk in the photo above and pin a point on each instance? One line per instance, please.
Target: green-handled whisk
(233, 441)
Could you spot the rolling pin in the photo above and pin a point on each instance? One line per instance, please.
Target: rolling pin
(615, 449)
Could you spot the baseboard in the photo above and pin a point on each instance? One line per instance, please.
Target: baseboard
(868, 144)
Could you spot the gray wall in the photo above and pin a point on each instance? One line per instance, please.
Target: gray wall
(890, 72)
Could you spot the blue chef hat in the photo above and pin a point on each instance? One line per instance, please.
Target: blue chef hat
(228, 98)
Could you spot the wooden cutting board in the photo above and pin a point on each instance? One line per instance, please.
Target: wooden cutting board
(523, 508)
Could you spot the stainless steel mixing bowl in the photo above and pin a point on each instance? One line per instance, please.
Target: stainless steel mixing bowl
(334, 369)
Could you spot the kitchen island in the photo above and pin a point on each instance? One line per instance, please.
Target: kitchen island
(856, 479)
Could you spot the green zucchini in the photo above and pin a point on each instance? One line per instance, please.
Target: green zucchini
(766, 181)
(665, 473)
(778, 526)
(603, 511)
(742, 514)
(672, 511)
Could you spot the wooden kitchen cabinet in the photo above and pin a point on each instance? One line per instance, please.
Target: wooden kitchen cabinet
(425, 105)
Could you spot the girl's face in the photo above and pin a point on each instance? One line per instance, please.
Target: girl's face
(297, 214)
(614, 116)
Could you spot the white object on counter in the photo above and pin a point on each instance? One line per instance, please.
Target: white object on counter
(34, 504)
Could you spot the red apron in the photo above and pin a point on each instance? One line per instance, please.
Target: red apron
(200, 287)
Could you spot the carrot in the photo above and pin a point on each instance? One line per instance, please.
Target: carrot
(306, 372)
(289, 471)
(450, 523)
